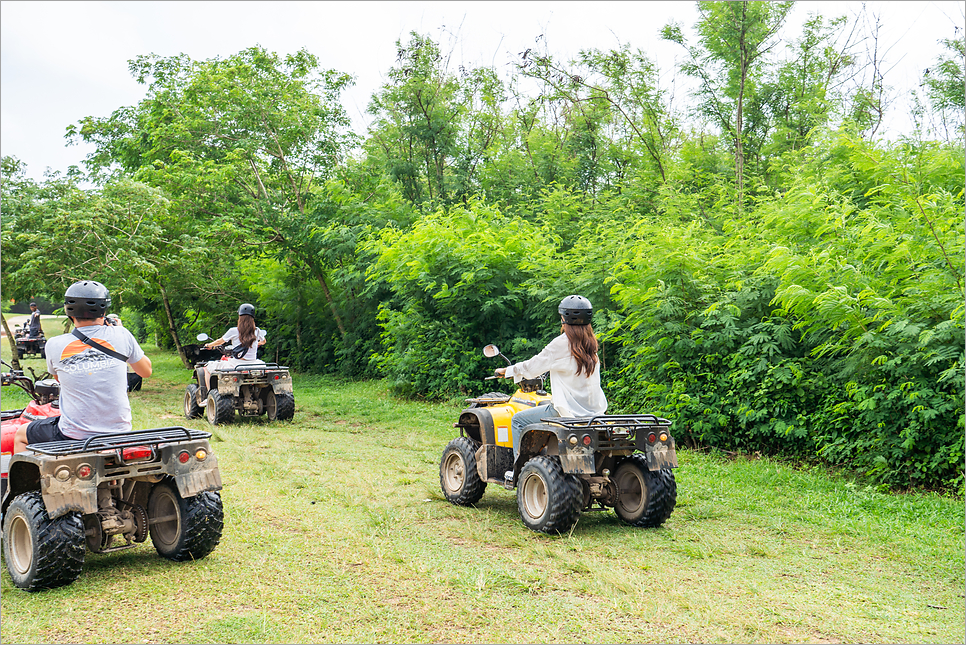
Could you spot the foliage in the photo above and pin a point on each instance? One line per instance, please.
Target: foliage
(455, 279)
(763, 273)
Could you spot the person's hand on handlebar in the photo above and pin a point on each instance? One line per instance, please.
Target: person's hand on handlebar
(500, 371)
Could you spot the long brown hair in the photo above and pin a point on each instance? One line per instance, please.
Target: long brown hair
(246, 331)
(583, 346)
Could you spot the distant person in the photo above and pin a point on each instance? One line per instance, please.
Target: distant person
(35, 330)
(91, 365)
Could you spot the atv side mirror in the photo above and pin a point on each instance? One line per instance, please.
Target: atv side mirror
(492, 350)
(202, 337)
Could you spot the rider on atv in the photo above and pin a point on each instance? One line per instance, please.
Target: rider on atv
(90, 364)
(571, 358)
(244, 337)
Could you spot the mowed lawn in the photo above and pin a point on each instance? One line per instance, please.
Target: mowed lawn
(336, 531)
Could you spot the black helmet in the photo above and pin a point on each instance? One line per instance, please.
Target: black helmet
(86, 300)
(246, 310)
(576, 310)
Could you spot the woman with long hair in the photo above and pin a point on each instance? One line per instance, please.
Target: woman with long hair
(571, 358)
(244, 337)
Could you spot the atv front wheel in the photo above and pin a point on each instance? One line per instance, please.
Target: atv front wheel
(184, 528)
(549, 499)
(41, 553)
(645, 498)
(219, 408)
(458, 476)
(191, 408)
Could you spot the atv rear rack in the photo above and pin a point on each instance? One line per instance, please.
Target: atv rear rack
(156, 436)
(609, 422)
(246, 368)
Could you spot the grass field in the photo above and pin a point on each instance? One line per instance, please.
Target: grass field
(336, 531)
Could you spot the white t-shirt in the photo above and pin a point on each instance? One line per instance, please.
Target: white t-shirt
(231, 336)
(93, 385)
(572, 395)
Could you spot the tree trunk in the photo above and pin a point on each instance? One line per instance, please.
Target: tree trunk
(328, 297)
(14, 356)
(172, 329)
(739, 120)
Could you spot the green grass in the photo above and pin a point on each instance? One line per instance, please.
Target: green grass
(336, 531)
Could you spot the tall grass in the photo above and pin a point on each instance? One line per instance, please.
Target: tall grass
(336, 531)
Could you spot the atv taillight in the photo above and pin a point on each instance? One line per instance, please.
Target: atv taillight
(84, 471)
(586, 439)
(135, 453)
(278, 376)
(201, 454)
(183, 456)
(652, 437)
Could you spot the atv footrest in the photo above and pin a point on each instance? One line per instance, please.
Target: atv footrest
(119, 440)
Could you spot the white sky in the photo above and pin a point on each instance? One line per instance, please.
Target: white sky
(63, 61)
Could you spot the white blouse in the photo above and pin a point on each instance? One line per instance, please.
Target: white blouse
(572, 395)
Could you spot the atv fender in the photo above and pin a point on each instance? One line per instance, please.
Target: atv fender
(281, 382)
(202, 383)
(543, 438)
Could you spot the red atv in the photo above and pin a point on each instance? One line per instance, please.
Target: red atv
(43, 393)
(106, 493)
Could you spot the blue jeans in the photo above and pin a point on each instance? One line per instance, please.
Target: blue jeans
(524, 418)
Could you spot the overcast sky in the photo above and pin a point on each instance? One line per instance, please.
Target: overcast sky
(63, 61)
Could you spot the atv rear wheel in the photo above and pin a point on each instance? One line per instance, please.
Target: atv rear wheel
(645, 498)
(219, 408)
(458, 476)
(549, 500)
(191, 408)
(41, 553)
(184, 528)
(285, 401)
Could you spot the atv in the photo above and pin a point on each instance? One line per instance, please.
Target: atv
(67, 497)
(253, 388)
(43, 393)
(565, 466)
(27, 345)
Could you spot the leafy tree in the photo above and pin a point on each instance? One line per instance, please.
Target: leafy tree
(619, 89)
(417, 121)
(728, 60)
(239, 144)
(944, 82)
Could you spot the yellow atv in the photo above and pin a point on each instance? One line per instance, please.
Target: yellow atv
(566, 465)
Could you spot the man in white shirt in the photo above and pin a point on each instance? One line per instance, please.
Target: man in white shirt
(91, 365)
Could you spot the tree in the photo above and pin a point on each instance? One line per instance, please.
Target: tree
(417, 120)
(733, 39)
(625, 84)
(122, 235)
(240, 145)
(944, 82)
